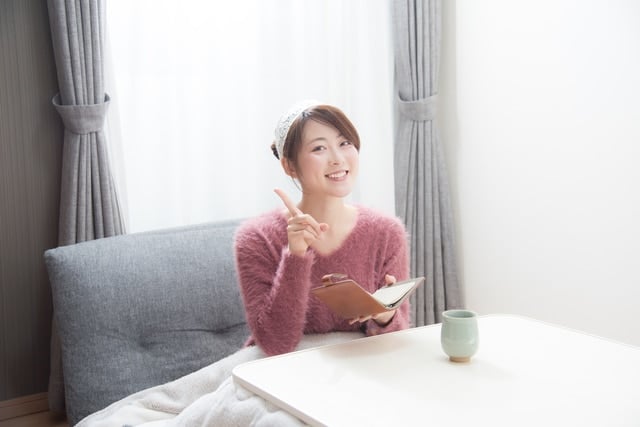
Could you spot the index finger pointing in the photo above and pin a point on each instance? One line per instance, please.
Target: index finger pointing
(293, 209)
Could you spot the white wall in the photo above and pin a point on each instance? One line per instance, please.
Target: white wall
(541, 126)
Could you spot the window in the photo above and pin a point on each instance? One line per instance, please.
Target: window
(198, 86)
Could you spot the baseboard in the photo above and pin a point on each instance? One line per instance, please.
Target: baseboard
(24, 405)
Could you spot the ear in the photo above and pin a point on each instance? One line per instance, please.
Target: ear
(288, 167)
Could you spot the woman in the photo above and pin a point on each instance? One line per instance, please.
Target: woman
(281, 255)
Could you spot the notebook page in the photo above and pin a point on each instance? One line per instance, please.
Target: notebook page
(389, 295)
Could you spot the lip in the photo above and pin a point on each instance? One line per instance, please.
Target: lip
(341, 174)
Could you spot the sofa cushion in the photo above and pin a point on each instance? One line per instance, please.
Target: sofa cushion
(138, 310)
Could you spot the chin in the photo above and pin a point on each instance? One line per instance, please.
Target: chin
(340, 192)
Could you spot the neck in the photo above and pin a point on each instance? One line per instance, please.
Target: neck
(330, 210)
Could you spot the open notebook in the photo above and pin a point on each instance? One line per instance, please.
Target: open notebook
(349, 300)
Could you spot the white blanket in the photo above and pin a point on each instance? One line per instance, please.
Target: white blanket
(207, 397)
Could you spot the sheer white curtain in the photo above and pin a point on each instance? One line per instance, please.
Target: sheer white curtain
(198, 86)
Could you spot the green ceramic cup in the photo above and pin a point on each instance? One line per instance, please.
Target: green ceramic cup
(459, 334)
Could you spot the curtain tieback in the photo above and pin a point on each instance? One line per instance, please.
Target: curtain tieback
(420, 110)
(82, 119)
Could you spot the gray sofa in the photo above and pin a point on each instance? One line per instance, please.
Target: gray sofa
(142, 309)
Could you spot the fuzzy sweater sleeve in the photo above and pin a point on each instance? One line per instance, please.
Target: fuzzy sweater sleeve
(396, 263)
(275, 286)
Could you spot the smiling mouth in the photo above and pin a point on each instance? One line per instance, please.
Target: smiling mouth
(337, 175)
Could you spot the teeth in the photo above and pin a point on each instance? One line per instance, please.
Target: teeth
(337, 174)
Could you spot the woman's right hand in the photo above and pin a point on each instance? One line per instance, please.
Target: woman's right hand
(302, 229)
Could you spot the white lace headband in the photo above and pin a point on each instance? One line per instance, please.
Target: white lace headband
(287, 119)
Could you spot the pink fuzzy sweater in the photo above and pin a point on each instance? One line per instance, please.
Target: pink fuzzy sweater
(275, 284)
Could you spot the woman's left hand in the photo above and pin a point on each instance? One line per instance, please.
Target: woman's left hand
(381, 318)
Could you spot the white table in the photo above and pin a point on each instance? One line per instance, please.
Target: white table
(526, 373)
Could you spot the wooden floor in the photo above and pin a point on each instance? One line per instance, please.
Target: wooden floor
(40, 419)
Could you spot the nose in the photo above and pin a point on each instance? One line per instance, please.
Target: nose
(336, 157)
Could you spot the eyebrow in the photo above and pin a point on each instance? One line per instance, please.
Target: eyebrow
(322, 138)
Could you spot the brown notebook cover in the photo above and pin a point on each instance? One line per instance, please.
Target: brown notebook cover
(349, 300)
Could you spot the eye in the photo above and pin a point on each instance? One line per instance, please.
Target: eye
(345, 143)
(318, 148)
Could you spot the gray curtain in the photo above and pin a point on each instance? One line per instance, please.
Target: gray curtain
(89, 206)
(421, 189)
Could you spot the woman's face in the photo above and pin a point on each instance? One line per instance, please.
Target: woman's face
(327, 161)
